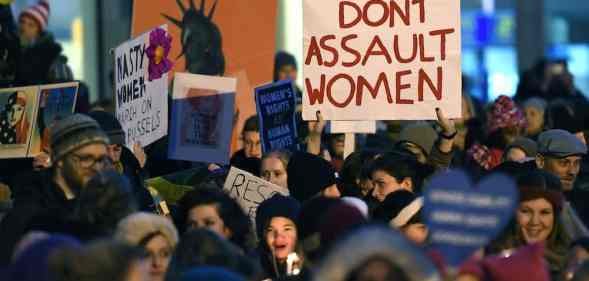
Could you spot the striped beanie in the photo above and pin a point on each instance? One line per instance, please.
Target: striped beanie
(73, 132)
(38, 12)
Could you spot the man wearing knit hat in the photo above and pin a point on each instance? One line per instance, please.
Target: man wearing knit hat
(78, 151)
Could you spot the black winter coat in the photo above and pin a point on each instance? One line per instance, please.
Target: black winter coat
(37, 196)
(35, 62)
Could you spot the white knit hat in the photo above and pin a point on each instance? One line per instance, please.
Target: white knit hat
(136, 227)
(38, 12)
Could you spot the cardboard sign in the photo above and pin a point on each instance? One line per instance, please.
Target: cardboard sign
(360, 127)
(276, 112)
(18, 111)
(250, 191)
(56, 102)
(462, 218)
(141, 100)
(202, 118)
(381, 60)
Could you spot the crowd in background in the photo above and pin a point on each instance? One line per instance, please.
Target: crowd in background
(82, 209)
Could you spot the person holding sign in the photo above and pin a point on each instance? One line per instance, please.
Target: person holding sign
(126, 162)
(538, 219)
(428, 146)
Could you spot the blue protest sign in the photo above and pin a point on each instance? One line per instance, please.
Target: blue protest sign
(461, 217)
(276, 108)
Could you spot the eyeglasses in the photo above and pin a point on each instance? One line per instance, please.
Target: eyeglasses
(88, 161)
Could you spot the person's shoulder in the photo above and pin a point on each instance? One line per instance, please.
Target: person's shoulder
(47, 43)
(31, 185)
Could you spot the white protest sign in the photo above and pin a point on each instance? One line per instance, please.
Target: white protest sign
(249, 191)
(381, 60)
(360, 127)
(141, 87)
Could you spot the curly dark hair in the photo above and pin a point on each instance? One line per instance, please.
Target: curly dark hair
(229, 211)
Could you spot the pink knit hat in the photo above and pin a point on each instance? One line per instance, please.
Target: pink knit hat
(39, 13)
(505, 113)
(526, 264)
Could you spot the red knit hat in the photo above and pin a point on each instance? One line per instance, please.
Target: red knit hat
(505, 113)
(526, 264)
(541, 184)
(39, 13)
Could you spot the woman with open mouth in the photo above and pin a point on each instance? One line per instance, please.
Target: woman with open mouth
(276, 225)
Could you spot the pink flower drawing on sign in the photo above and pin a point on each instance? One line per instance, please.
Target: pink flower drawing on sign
(160, 43)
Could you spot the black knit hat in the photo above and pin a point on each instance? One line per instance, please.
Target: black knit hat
(308, 175)
(398, 208)
(110, 125)
(73, 132)
(277, 206)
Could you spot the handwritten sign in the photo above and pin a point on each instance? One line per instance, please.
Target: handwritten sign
(202, 118)
(276, 111)
(381, 60)
(250, 191)
(141, 102)
(462, 218)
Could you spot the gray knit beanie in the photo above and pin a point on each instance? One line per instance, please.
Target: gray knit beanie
(73, 132)
(421, 134)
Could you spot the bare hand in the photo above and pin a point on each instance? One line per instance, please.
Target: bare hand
(316, 127)
(139, 154)
(448, 126)
(42, 161)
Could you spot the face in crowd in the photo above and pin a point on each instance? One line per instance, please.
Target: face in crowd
(160, 252)
(207, 216)
(535, 119)
(114, 152)
(251, 144)
(29, 30)
(535, 220)
(287, 71)
(281, 237)
(274, 171)
(416, 232)
(566, 168)
(385, 184)
(79, 166)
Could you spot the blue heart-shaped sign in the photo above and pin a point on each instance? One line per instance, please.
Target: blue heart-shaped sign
(461, 217)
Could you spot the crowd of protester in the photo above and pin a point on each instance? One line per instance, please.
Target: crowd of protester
(82, 209)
